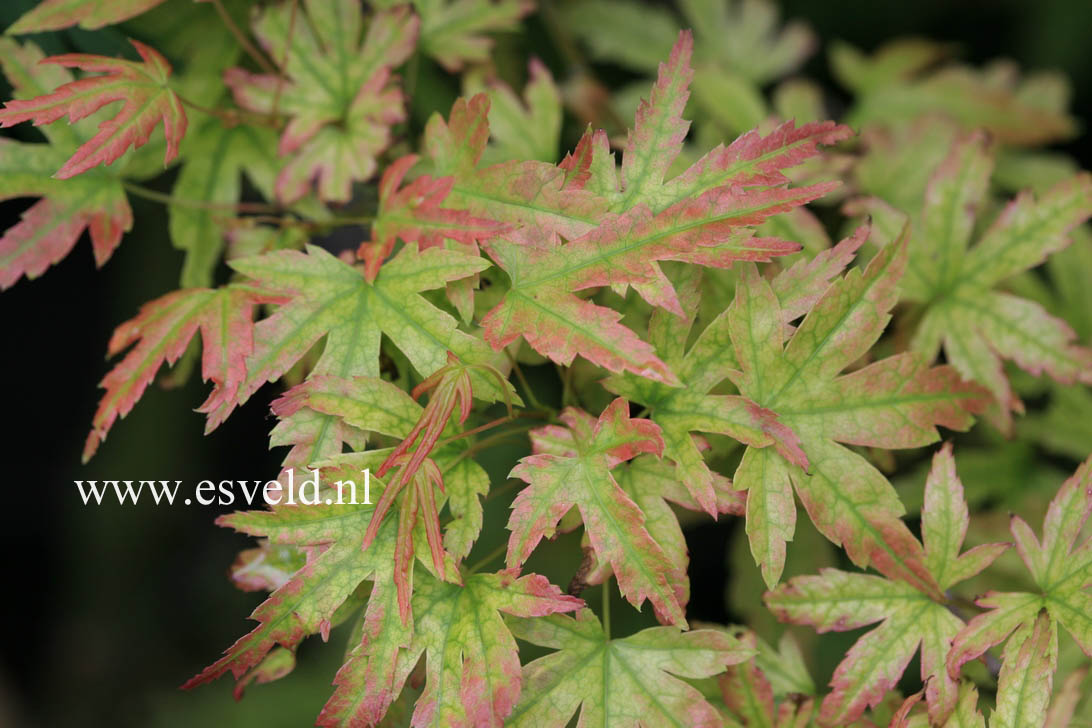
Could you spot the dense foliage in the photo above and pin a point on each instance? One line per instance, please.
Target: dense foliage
(716, 355)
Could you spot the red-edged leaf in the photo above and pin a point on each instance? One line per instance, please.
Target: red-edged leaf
(161, 332)
(142, 87)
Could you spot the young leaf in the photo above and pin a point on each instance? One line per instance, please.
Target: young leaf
(623, 683)
(1062, 571)
(161, 332)
(337, 92)
(893, 403)
(453, 31)
(88, 14)
(976, 325)
(909, 619)
(473, 671)
(578, 473)
(143, 87)
(703, 216)
(324, 297)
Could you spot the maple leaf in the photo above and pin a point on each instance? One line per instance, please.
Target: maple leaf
(324, 297)
(905, 80)
(909, 619)
(689, 408)
(892, 403)
(522, 129)
(634, 681)
(751, 690)
(473, 670)
(976, 325)
(160, 333)
(142, 86)
(307, 603)
(702, 216)
(50, 228)
(452, 31)
(414, 214)
(337, 91)
(578, 473)
(215, 157)
(88, 14)
(1062, 572)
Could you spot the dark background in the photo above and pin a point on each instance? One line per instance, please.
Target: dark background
(106, 610)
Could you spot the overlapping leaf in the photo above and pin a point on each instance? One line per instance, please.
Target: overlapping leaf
(88, 14)
(909, 619)
(454, 31)
(161, 332)
(703, 216)
(634, 681)
(1061, 569)
(473, 670)
(573, 468)
(976, 325)
(337, 92)
(94, 201)
(143, 87)
(892, 403)
(324, 297)
(902, 81)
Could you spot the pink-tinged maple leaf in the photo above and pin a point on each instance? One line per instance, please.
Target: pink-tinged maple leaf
(639, 680)
(337, 91)
(94, 201)
(839, 601)
(472, 675)
(143, 87)
(160, 333)
(706, 216)
(893, 403)
(953, 282)
(88, 14)
(306, 604)
(1061, 567)
(680, 411)
(415, 214)
(614, 523)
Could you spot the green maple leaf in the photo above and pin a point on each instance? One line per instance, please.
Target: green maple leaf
(337, 93)
(215, 156)
(768, 690)
(522, 128)
(572, 467)
(473, 669)
(625, 683)
(954, 282)
(739, 48)
(94, 201)
(892, 403)
(838, 600)
(904, 80)
(88, 14)
(453, 31)
(324, 298)
(1061, 569)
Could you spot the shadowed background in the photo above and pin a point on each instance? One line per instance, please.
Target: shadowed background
(108, 609)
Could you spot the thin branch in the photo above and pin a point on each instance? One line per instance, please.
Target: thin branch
(606, 607)
(166, 199)
(487, 558)
(244, 41)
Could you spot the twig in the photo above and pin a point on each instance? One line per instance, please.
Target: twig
(244, 41)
